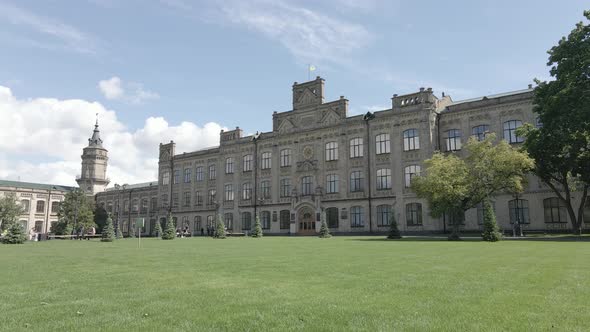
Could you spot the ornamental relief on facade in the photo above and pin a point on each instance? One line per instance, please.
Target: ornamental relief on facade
(307, 166)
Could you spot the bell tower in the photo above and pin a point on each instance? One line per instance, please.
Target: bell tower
(93, 177)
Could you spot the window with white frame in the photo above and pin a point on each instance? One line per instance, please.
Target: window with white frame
(410, 172)
(453, 140)
(332, 183)
(382, 144)
(357, 216)
(266, 160)
(229, 165)
(187, 175)
(246, 191)
(411, 140)
(356, 147)
(166, 178)
(199, 173)
(229, 192)
(247, 162)
(212, 172)
(285, 156)
(480, 132)
(383, 214)
(356, 181)
(331, 151)
(510, 128)
(383, 178)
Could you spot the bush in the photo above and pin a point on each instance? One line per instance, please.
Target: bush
(393, 230)
(108, 231)
(491, 231)
(169, 230)
(324, 231)
(220, 229)
(15, 235)
(157, 231)
(257, 232)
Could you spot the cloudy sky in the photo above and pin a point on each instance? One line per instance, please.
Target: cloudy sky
(182, 70)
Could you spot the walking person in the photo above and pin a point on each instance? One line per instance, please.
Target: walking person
(202, 231)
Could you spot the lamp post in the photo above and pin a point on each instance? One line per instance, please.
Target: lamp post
(368, 117)
(119, 188)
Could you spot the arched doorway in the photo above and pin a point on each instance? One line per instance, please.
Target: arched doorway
(306, 221)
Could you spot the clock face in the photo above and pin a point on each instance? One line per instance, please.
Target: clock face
(307, 152)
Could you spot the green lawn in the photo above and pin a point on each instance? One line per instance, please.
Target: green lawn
(295, 283)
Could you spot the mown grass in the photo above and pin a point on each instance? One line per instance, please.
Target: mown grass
(295, 283)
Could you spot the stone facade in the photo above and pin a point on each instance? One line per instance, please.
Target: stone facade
(356, 169)
(93, 176)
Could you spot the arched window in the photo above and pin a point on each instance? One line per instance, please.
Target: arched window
(285, 155)
(382, 144)
(265, 219)
(246, 221)
(411, 140)
(285, 216)
(266, 160)
(510, 128)
(229, 192)
(453, 140)
(414, 214)
(384, 214)
(229, 165)
(383, 179)
(356, 181)
(519, 211)
(555, 210)
(480, 132)
(356, 147)
(332, 217)
(210, 221)
(357, 216)
(331, 151)
(40, 207)
(410, 172)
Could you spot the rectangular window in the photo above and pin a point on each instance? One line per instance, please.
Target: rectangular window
(555, 210)
(229, 192)
(212, 172)
(54, 207)
(153, 204)
(332, 217)
(306, 184)
(265, 219)
(356, 147)
(175, 200)
(166, 178)
(357, 216)
(266, 160)
(480, 212)
(480, 132)
(414, 214)
(510, 128)
(247, 163)
(356, 181)
(265, 189)
(453, 140)
(411, 140)
(229, 220)
(187, 175)
(285, 216)
(331, 183)
(177, 176)
(382, 144)
(285, 157)
(211, 196)
(383, 215)
(40, 207)
(383, 179)
(25, 203)
(229, 166)
(285, 187)
(410, 172)
(144, 205)
(246, 221)
(199, 174)
(198, 198)
(187, 198)
(163, 198)
(331, 151)
(135, 205)
(246, 191)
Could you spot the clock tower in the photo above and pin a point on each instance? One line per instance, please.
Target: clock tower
(93, 178)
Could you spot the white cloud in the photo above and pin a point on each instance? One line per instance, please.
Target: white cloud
(67, 36)
(41, 140)
(114, 89)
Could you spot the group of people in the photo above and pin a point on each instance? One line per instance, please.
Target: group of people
(83, 233)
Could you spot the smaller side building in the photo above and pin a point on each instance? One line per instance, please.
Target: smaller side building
(40, 202)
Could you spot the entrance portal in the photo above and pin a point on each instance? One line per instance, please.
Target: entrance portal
(306, 221)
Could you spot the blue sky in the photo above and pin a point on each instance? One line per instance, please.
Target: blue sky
(230, 63)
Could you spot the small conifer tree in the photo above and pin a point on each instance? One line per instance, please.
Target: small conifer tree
(324, 231)
(108, 231)
(257, 232)
(157, 231)
(393, 230)
(491, 231)
(15, 235)
(169, 230)
(220, 229)
(118, 233)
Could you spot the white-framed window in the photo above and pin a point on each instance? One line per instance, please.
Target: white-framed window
(306, 185)
(332, 183)
(212, 172)
(357, 216)
(265, 188)
(356, 181)
(383, 214)
(453, 140)
(247, 162)
(285, 187)
(510, 128)
(383, 178)
(187, 175)
(480, 132)
(409, 172)
(411, 139)
(414, 214)
(266, 160)
(246, 191)
(229, 192)
(285, 156)
(331, 151)
(229, 165)
(166, 178)
(382, 144)
(356, 147)
(199, 174)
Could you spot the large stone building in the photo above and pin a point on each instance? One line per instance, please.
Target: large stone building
(357, 169)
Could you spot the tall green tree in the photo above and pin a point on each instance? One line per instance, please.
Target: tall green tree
(10, 210)
(157, 231)
(169, 229)
(453, 185)
(75, 212)
(561, 146)
(100, 217)
(220, 229)
(491, 232)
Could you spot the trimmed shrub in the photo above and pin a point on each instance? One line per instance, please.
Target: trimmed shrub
(157, 231)
(257, 232)
(169, 230)
(220, 228)
(324, 231)
(491, 231)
